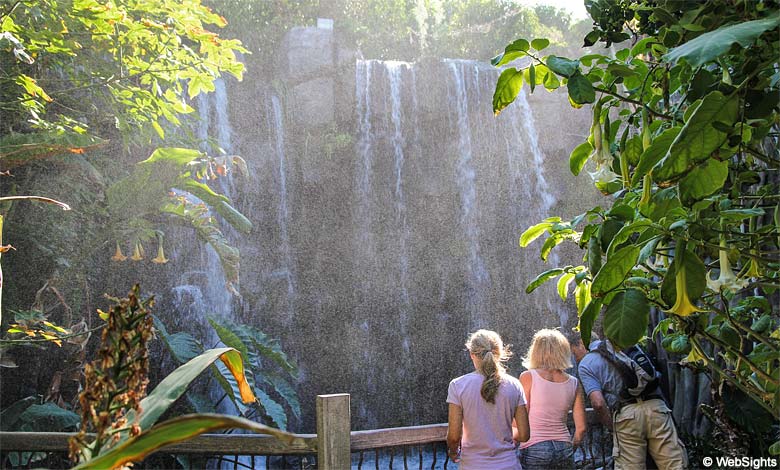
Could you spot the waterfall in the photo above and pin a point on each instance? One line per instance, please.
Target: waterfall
(477, 273)
(542, 191)
(394, 70)
(283, 213)
(217, 298)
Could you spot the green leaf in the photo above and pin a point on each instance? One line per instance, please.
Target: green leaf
(625, 233)
(284, 389)
(176, 156)
(271, 408)
(542, 278)
(563, 285)
(582, 295)
(587, 319)
(774, 449)
(10, 415)
(591, 38)
(229, 338)
(158, 128)
(49, 417)
(580, 89)
(653, 154)
(176, 383)
(633, 150)
(184, 346)
(563, 66)
(709, 46)
(540, 43)
(703, 180)
(746, 412)
(594, 255)
(615, 270)
(507, 87)
(177, 430)
(626, 318)
(513, 51)
(579, 156)
(698, 138)
(533, 232)
(739, 214)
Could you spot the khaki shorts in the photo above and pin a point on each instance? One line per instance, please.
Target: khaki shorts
(647, 426)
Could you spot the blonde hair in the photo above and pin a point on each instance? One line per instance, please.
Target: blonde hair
(549, 350)
(488, 347)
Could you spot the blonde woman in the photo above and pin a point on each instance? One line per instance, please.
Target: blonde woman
(550, 394)
(482, 407)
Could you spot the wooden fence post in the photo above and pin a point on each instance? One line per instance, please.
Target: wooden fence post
(333, 432)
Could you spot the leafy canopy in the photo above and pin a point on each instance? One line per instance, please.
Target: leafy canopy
(684, 138)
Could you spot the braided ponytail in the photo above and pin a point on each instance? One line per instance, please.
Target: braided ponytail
(488, 347)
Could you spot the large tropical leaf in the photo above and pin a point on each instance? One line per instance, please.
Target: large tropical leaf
(176, 383)
(699, 137)
(183, 346)
(178, 430)
(626, 318)
(709, 46)
(615, 270)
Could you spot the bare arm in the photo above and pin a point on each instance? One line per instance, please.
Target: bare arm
(580, 419)
(521, 431)
(454, 431)
(526, 380)
(601, 408)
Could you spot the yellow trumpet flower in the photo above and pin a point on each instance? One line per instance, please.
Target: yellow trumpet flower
(137, 255)
(727, 279)
(682, 305)
(160, 259)
(118, 256)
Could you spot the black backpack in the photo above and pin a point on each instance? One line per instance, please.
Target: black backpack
(636, 368)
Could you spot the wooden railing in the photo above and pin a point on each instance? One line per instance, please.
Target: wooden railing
(334, 447)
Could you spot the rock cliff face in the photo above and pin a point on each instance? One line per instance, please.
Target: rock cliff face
(387, 202)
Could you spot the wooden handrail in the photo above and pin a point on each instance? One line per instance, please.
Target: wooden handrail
(331, 445)
(392, 437)
(232, 444)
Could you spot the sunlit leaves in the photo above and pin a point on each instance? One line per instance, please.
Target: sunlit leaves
(579, 156)
(133, 57)
(615, 270)
(542, 278)
(699, 137)
(710, 45)
(509, 84)
(513, 51)
(704, 180)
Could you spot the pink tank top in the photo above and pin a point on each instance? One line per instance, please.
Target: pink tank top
(548, 410)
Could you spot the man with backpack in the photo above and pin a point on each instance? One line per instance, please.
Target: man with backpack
(623, 389)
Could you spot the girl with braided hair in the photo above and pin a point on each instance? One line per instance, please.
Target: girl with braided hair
(483, 406)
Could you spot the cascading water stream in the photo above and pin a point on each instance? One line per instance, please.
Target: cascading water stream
(394, 70)
(477, 273)
(542, 190)
(283, 213)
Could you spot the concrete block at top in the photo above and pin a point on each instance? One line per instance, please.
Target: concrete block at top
(312, 102)
(307, 52)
